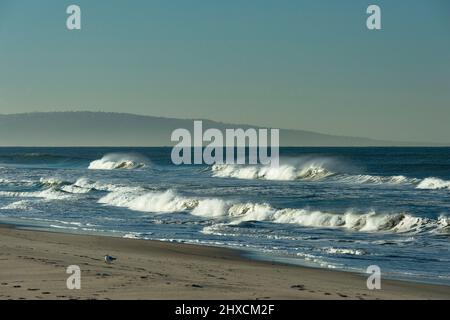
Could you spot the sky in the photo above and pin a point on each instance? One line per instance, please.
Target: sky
(303, 64)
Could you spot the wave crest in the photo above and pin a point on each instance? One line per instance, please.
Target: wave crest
(315, 171)
(370, 179)
(433, 184)
(157, 202)
(115, 161)
(236, 213)
(311, 171)
(47, 194)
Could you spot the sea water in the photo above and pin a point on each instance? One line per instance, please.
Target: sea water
(339, 208)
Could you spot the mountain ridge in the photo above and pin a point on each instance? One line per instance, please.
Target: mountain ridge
(90, 128)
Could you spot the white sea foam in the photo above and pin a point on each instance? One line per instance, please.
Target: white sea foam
(210, 207)
(80, 186)
(433, 184)
(345, 251)
(22, 205)
(118, 161)
(443, 225)
(53, 182)
(371, 179)
(133, 235)
(315, 171)
(157, 202)
(236, 213)
(86, 183)
(364, 222)
(75, 189)
(48, 194)
(308, 171)
(17, 182)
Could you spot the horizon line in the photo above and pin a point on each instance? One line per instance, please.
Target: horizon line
(228, 123)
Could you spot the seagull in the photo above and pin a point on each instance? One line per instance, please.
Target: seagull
(109, 259)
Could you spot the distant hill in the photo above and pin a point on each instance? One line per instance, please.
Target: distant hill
(122, 129)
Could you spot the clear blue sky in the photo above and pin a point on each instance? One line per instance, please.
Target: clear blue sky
(304, 64)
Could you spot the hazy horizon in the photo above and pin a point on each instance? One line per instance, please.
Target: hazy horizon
(211, 120)
(301, 65)
(88, 128)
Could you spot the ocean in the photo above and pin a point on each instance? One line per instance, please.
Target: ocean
(338, 208)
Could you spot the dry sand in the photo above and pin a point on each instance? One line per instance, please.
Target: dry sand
(33, 266)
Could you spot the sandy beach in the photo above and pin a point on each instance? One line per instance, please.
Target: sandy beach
(33, 266)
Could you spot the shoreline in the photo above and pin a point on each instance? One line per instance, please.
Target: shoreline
(33, 266)
(246, 254)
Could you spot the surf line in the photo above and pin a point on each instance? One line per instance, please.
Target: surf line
(239, 146)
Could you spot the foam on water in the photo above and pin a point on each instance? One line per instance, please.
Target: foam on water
(157, 202)
(309, 171)
(53, 182)
(336, 208)
(169, 201)
(22, 205)
(345, 251)
(116, 161)
(48, 194)
(433, 184)
(371, 179)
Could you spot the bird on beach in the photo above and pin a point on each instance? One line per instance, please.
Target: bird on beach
(109, 259)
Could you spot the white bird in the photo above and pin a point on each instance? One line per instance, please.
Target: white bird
(109, 259)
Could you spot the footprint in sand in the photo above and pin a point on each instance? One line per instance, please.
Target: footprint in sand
(103, 274)
(300, 287)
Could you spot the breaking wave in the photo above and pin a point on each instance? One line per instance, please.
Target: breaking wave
(163, 202)
(16, 182)
(52, 182)
(48, 194)
(117, 161)
(22, 205)
(51, 188)
(58, 189)
(314, 171)
(6, 181)
(90, 185)
(433, 184)
(370, 179)
(79, 187)
(169, 201)
(310, 171)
